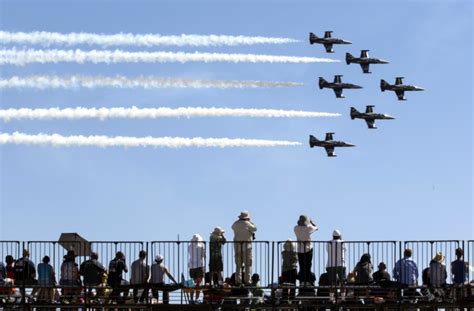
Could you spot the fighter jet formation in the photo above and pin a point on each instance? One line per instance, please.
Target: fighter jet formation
(327, 41)
(364, 60)
(329, 144)
(338, 86)
(369, 116)
(399, 88)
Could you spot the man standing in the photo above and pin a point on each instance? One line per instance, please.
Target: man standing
(140, 273)
(303, 230)
(244, 234)
(336, 266)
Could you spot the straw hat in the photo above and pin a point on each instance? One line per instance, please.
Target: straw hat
(158, 258)
(336, 233)
(439, 257)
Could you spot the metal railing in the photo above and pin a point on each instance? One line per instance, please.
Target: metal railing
(266, 259)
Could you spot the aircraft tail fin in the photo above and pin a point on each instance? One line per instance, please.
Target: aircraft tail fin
(383, 85)
(349, 58)
(354, 112)
(312, 141)
(322, 82)
(312, 38)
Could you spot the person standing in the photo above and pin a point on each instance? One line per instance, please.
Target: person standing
(216, 264)
(140, 273)
(336, 266)
(196, 262)
(288, 269)
(117, 267)
(303, 230)
(244, 234)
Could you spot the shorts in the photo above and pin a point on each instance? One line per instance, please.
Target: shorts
(196, 272)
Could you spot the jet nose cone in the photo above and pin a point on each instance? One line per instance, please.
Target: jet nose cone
(419, 88)
(382, 61)
(389, 117)
(350, 145)
(346, 42)
(357, 87)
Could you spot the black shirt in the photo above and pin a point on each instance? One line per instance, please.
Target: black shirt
(92, 271)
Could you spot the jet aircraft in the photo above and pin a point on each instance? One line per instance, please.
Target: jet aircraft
(369, 116)
(337, 85)
(329, 144)
(399, 88)
(327, 41)
(364, 60)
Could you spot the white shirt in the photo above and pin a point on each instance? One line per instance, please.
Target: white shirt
(139, 272)
(336, 253)
(303, 236)
(196, 251)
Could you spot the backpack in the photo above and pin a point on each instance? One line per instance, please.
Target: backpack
(22, 270)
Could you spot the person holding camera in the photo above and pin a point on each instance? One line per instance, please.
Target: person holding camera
(117, 267)
(244, 234)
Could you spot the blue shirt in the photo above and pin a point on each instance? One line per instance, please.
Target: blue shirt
(406, 271)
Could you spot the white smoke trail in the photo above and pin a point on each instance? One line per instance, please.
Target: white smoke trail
(67, 82)
(121, 141)
(23, 57)
(69, 39)
(153, 113)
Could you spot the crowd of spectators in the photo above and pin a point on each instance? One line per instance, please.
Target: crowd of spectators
(92, 278)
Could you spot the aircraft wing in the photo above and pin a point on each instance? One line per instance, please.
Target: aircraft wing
(328, 47)
(330, 151)
(338, 93)
(400, 95)
(370, 123)
(365, 68)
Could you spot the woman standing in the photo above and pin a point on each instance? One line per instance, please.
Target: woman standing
(303, 230)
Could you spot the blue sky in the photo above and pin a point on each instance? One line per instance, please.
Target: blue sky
(409, 179)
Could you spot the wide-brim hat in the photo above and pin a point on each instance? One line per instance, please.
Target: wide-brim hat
(439, 257)
(158, 258)
(244, 215)
(336, 233)
(218, 230)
